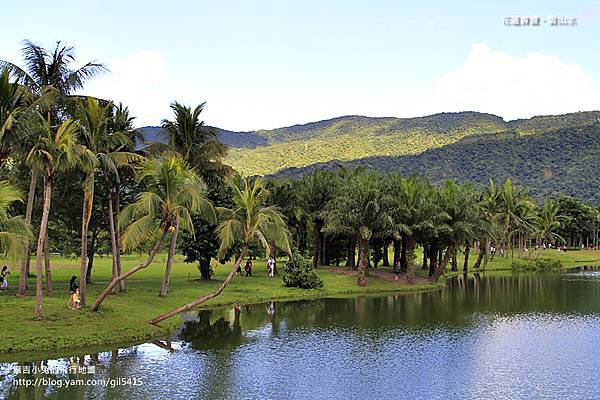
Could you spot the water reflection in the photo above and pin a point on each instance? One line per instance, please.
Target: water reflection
(506, 336)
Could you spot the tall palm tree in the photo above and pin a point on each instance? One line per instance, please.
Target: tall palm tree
(45, 68)
(104, 154)
(358, 213)
(547, 223)
(196, 142)
(56, 151)
(247, 221)
(173, 193)
(50, 76)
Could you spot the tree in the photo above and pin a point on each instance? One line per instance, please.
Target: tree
(547, 223)
(248, 220)
(104, 150)
(14, 231)
(316, 191)
(173, 193)
(196, 142)
(358, 213)
(56, 151)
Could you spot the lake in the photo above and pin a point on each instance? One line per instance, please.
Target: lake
(500, 336)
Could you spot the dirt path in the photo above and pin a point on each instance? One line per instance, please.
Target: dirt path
(381, 274)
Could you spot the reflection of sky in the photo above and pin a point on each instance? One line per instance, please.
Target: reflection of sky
(531, 354)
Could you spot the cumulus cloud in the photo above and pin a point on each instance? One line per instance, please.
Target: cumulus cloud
(140, 81)
(515, 86)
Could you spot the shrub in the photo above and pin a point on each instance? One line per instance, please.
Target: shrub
(540, 264)
(299, 272)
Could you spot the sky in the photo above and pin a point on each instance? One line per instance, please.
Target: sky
(268, 64)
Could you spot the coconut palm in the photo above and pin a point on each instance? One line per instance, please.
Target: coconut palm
(547, 223)
(52, 68)
(105, 155)
(55, 151)
(173, 193)
(196, 142)
(248, 220)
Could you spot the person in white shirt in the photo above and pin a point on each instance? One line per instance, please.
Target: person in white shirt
(271, 267)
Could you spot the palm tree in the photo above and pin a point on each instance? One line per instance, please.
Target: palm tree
(358, 213)
(196, 142)
(173, 193)
(247, 221)
(48, 75)
(56, 151)
(461, 224)
(53, 68)
(547, 223)
(317, 190)
(104, 152)
(14, 231)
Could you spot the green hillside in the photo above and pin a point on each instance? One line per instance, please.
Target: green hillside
(354, 137)
(560, 161)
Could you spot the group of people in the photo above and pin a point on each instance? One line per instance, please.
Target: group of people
(271, 263)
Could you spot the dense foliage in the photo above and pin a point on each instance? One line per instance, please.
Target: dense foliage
(299, 272)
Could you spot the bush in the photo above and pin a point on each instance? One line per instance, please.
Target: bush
(299, 272)
(540, 264)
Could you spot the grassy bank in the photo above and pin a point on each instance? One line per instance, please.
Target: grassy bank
(123, 317)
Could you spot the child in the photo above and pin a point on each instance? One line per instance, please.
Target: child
(76, 301)
(4, 278)
(248, 268)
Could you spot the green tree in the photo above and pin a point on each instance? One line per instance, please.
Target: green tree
(248, 220)
(173, 193)
(547, 224)
(56, 151)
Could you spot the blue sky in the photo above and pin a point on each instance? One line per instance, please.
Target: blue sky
(265, 64)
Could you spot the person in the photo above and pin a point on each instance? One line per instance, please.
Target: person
(271, 308)
(271, 267)
(76, 301)
(72, 287)
(248, 267)
(238, 271)
(4, 277)
(396, 269)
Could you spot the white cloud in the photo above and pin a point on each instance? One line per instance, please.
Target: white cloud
(140, 81)
(489, 81)
(515, 87)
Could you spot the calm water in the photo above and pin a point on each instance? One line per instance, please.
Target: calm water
(501, 337)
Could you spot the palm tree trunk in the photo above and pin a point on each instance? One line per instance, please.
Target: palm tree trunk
(122, 287)
(425, 256)
(113, 235)
(47, 266)
(164, 288)
(385, 259)
(480, 255)
(397, 250)
(351, 253)
(403, 260)
(85, 219)
(318, 247)
(362, 244)
(467, 252)
(454, 262)
(439, 270)
(127, 274)
(27, 252)
(204, 298)
(433, 257)
(410, 259)
(40, 246)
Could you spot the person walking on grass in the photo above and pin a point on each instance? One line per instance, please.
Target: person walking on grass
(271, 266)
(76, 301)
(4, 278)
(248, 267)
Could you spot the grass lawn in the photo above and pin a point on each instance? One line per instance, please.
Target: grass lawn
(123, 317)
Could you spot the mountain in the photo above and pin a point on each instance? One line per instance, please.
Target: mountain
(557, 161)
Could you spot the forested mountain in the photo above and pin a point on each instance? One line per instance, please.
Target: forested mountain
(560, 161)
(355, 137)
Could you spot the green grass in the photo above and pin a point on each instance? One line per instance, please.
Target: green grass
(123, 317)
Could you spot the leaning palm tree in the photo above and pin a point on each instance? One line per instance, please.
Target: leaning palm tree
(173, 193)
(56, 151)
(104, 153)
(247, 221)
